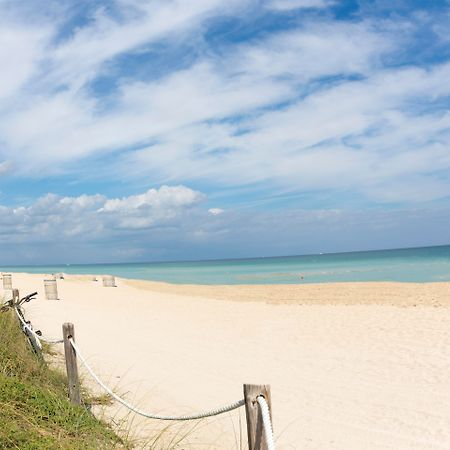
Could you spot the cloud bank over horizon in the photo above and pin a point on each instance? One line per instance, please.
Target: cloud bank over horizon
(162, 129)
(162, 224)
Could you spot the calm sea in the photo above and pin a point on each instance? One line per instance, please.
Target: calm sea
(413, 265)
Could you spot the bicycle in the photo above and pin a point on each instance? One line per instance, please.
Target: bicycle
(27, 328)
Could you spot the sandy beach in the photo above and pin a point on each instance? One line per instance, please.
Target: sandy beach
(351, 365)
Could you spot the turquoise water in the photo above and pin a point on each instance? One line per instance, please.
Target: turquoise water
(410, 265)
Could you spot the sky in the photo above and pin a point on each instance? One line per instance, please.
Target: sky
(148, 130)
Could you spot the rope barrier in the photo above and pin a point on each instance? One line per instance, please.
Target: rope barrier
(264, 407)
(265, 413)
(200, 415)
(38, 338)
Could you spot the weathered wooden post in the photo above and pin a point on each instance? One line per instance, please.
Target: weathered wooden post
(51, 289)
(71, 364)
(255, 426)
(109, 281)
(7, 281)
(15, 297)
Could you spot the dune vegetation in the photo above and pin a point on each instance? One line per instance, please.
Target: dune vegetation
(35, 411)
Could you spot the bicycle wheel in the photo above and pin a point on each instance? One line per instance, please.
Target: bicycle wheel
(34, 342)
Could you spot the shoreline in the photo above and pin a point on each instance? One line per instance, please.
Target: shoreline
(391, 293)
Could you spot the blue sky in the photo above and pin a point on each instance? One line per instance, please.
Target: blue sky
(135, 130)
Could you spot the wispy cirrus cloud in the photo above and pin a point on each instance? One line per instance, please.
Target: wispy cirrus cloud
(287, 5)
(251, 77)
(357, 135)
(80, 58)
(21, 51)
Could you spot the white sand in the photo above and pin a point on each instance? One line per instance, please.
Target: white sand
(345, 372)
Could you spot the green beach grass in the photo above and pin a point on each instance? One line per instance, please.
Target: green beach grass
(35, 413)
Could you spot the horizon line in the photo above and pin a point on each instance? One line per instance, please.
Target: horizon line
(248, 258)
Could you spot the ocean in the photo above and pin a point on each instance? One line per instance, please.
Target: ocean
(423, 264)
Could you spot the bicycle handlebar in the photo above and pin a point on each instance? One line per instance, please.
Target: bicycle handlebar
(10, 303)
(28, 298)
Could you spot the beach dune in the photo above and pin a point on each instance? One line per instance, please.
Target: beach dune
(351, 365)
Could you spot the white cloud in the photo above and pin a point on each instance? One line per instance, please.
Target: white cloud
(95, 216)
(81, 57)
(354, 136)
(216, 211)
(66, 126)
(287, 5)
(164, 197)
(152, 207)
(21, 50)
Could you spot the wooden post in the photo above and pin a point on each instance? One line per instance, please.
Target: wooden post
(71, 364)
(255, 426)
(15, 296)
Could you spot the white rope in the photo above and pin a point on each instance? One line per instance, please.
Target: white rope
(201, 415)
(265, 413)
(27, 327)
(38, 338)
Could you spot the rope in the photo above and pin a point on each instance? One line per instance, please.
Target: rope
(200, 415)
(266, 421)
(38, 338)
(28, 329)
